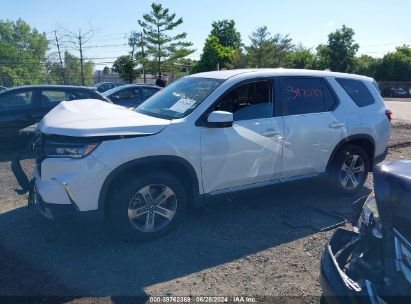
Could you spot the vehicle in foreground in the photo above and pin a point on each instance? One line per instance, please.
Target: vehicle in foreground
(131, 95)
(24, 106)
(373, 264)
(204, 136)
(103, 86)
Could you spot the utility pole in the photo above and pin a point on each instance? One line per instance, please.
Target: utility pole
(80, 43)
(63, 74)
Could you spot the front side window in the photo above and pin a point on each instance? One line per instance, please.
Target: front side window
(53, 96)
(180, 98)
(357, 90)
(248, 101)
(303, 96)
(19, 99)
(128, 94)
(148, 92)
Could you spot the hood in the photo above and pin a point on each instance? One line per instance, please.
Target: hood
(92, 117)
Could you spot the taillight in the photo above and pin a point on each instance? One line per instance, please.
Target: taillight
(388, 113)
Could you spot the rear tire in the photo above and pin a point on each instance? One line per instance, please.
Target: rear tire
(147, 206)
(350, 169)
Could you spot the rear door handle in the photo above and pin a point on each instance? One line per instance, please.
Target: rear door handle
(336, 125)
(270, 133)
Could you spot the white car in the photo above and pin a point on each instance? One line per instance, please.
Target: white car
(206, 135)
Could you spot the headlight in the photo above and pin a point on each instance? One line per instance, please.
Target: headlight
(72, 150)
(370, 217)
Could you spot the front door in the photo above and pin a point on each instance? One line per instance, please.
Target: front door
(249, 152)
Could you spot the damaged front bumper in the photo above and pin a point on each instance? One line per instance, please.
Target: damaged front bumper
(337, 286)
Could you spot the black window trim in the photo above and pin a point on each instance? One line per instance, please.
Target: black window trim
(323, 82)
(202, 120)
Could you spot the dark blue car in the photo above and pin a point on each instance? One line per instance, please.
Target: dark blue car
(131, 95)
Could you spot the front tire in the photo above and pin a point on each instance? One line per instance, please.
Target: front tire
(350, 169)
(147, 206)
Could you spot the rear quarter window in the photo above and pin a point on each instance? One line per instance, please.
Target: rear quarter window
(358, 91)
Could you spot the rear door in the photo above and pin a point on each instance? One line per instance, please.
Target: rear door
(314, 123)
(18, 109)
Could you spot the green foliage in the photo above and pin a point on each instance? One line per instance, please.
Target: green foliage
(339, 54)
(266, 51)
(161, 46)
(395, 66)
(106, 70)
(226, 33)
(125, 66)
(214, 55)
(302, 58)
(139, 45)
(72, 70)
(22, 53)
(366, 65)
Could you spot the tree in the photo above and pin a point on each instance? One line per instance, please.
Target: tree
(141, 55)
(395, 66)
(339, 54)
(125, 66)
(302, 58)
(161, 46)
(268, 51)
(22, 53)
(73, 70)
(79, 41)
(106, 70)
(226, 33)
(366, 65)
(214, 56)
(261, 51)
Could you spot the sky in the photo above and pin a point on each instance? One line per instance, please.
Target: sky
(379, 25)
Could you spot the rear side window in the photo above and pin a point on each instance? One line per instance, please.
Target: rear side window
(357, 90)
(303, 96)
(16, 100)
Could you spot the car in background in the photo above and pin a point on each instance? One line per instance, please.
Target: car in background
(131, 95)
(2, 88)
(395, 92)
(24, 106)
(103, 86)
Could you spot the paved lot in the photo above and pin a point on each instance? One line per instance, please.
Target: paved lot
(235, 247)
(401, 109)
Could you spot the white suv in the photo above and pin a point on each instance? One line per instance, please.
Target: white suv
(205, 135)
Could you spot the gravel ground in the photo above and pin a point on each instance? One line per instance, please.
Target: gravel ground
(238, 247)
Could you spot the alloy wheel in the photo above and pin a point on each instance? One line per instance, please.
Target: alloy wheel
(152, 208)
(352, 172)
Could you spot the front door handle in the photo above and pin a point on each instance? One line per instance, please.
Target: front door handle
(336, 125)
(271, 133)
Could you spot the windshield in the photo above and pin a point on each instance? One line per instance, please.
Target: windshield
(180, 98)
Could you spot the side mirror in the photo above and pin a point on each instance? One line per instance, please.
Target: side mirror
(220, 119)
